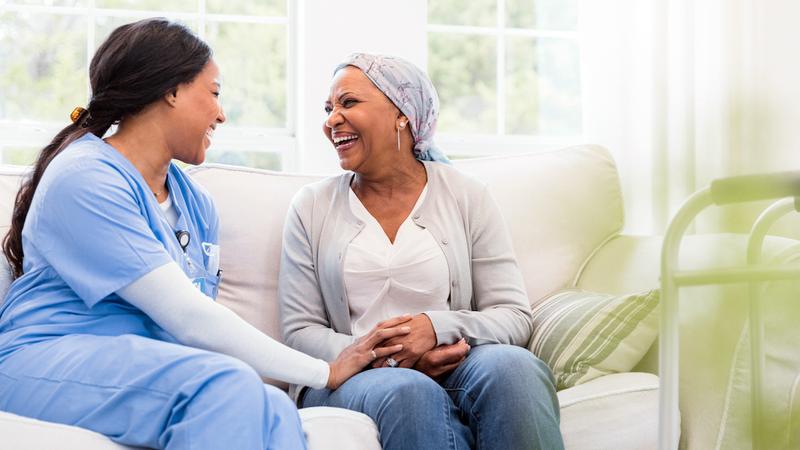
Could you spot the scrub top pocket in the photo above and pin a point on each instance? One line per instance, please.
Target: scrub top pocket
(204, 279)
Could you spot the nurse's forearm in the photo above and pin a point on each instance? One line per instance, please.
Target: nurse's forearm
(168, 297)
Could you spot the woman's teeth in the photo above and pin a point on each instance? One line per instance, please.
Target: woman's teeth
(340, 139)
(344, 142)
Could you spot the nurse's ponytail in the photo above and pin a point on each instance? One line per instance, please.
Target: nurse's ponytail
(138, 64)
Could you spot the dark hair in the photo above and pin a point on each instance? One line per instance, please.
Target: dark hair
(138, 64)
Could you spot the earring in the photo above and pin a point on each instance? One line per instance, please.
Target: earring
(400, 127)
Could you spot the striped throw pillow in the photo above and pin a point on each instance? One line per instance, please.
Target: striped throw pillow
(583, 335)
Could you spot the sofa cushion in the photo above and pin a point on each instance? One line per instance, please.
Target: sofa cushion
(618, 411)
(6, 277)
(325, 428)
(780, 314)
(22, 433)
(252, 207)
(560, 206)
(10, 180)
(339, 428)
(583, 335)
(712, 367)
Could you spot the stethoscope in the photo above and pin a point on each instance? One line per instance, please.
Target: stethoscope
(183, 239)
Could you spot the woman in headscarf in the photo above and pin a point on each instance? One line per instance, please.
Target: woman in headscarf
(404, 233)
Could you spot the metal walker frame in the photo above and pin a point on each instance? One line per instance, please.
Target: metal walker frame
(721, 192)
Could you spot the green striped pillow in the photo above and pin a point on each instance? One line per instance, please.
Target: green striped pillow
(584, 335)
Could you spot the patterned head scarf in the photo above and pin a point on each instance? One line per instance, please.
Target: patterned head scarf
(410, 89)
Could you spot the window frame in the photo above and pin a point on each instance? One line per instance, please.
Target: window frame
(278, 140)
(474, 145)
(310, 57)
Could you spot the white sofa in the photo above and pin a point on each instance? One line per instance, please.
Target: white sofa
(565, 213)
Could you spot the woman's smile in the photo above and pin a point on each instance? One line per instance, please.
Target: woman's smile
(344, 141)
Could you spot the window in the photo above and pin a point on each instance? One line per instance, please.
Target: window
(46, 46)
(507, 73)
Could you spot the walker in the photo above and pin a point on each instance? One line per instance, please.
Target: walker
(721, 192)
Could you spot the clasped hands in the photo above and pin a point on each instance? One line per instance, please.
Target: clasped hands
(409, 340)
(419, 350)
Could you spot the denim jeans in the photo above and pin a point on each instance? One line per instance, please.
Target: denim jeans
(501, 397)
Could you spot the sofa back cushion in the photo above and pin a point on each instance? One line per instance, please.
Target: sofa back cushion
(10, 179)
(252, 206)
(560, 206)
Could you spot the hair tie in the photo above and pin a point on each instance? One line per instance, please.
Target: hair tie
(80, 114)
(76, 113)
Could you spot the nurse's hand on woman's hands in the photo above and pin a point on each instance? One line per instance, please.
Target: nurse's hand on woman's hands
(368, 348)
(443, 359)
(421, 339)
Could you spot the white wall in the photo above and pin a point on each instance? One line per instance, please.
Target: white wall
(330, 30)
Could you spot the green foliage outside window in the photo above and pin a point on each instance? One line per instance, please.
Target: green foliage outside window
(543, 87)
(42, 66)
(252, 61)
(462, 68)
(459, 12)
(541, 73)
(44, 58)
(556, 15)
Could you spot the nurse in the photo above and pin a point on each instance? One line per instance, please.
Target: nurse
(110, 323)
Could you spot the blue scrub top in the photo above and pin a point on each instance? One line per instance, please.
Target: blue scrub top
(94, 227)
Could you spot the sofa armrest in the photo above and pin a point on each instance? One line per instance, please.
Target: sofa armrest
(631, 263)
(711, 317)
(618, 411)
(626, 263)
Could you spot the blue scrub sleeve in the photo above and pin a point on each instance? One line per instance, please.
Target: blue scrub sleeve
(91, 230)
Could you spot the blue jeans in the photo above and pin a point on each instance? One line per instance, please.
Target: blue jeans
(501, 397)
(148, 393)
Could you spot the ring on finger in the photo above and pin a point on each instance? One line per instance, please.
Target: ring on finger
(391, 362)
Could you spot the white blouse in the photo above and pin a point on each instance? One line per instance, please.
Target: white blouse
(384, 280)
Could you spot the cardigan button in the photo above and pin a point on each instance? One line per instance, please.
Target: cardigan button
(416, 216)
(444, 241)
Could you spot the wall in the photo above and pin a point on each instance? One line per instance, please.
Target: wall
(328, 32)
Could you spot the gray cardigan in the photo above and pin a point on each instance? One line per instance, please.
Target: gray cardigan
(488, 303)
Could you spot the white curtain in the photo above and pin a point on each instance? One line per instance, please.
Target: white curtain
(668, 87)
